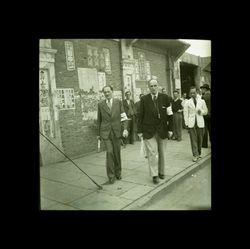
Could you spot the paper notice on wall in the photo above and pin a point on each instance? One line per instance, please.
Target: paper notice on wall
(117, 94)
(88, 79)
(101, 80)
(177, 84)
(45, 113)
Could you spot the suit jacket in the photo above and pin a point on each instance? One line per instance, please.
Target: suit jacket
(148, 121)
(206, 97)
(108, 120)
(126, 107)
(190, 112)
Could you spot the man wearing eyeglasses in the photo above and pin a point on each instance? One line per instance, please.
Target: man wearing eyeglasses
(154, 126)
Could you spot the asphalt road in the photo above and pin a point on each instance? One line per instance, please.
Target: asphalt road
(193, 193)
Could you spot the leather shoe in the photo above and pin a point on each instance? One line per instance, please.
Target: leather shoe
(111, 180)
(161, 176)
(155, 179)
(118, 177)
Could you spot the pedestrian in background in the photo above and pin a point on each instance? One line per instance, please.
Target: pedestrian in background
(111, 120)
(129, 108)
(137, 108)
(155, 113)
(183, 103)
(194, 110)
(177, 109)
(206, 95)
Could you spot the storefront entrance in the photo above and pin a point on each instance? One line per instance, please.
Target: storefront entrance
(188, 73)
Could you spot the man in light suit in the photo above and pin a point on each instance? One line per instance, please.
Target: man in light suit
(155, 124)
(194, 110)
(111, 120)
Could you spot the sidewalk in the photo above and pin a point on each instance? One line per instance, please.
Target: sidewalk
(65, 187)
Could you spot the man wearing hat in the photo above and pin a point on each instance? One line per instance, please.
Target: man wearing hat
(206, 95)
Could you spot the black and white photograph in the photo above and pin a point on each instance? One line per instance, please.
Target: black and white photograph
(124, 124)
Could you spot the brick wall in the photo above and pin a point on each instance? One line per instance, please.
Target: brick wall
(65, 78)
(158, 65)
(78, 135)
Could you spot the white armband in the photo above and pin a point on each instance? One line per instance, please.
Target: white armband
(169, 111)
(123, 116)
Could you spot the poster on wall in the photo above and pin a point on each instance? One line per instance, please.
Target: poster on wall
(88, 79)
(70, 59)
(45, 113)
(137, 74)
(107, 60)
(117, 94)
(148, 72)
(101, 80)
(128, 83)
(177, 84)
(65, 98)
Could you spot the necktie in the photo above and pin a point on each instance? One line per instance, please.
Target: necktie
(195, 102)
(156, 106)
(109, 104)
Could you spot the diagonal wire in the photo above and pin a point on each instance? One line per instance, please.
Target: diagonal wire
(99, 186)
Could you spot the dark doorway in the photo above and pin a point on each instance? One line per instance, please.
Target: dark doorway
(187, 72)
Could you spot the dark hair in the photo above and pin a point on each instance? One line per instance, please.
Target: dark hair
(141, 94)
(107, 86)
(127, 92)
(176, 91)
(193, 87)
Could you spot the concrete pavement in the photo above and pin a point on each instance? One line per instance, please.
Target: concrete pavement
(65, 187)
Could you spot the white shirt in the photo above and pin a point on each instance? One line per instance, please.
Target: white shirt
(111, 101)
(152, 95)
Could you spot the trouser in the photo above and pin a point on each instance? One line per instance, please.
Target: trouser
(156, 153)
(183, 121)
(113, 156)
(177, 125)
(206, 132)
(196, 136)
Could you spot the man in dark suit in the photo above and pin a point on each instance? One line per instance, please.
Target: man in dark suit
(111, 120)
(129, 108)
(155, 125)
(206, 95)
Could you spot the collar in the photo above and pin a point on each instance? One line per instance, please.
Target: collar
(152, 95)
(111, 101)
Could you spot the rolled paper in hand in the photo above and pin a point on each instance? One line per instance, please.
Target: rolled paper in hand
(142, 148)
(98, 145)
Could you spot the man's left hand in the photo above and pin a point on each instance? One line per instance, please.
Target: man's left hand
(125, 133)
(170, 133)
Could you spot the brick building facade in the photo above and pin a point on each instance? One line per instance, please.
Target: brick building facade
(72, 74)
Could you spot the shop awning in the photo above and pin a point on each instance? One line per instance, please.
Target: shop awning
(173, 47)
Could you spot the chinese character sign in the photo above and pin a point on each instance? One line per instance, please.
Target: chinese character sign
(70, 59)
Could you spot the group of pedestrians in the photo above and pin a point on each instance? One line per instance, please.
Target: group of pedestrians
(154, 119)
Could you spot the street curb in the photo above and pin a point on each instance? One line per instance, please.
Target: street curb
(167, 185)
